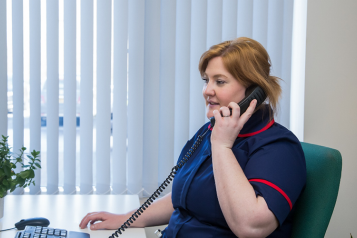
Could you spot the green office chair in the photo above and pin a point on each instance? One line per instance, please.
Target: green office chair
(314, 208)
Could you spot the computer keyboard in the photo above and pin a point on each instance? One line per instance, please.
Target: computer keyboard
(47, 232)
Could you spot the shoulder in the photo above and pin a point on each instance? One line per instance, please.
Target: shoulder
(275, 138)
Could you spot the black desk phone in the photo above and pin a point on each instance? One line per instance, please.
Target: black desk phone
(253, 93)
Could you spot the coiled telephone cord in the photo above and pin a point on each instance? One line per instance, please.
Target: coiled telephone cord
(156, 194)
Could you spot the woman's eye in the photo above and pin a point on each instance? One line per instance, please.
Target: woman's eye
(206, 80)
(220, 82)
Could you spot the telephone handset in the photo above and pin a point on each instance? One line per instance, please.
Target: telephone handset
(253, 93)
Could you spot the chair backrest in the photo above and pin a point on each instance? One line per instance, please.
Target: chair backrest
(314, 208)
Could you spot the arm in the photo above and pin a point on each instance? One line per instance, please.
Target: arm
(158, 213)
(246, 214)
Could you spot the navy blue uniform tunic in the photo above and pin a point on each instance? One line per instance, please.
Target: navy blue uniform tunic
(272, 160)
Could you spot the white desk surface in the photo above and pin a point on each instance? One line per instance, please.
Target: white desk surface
(66, 211)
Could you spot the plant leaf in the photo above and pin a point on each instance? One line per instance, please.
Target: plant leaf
(21, 181)
(30, 157)
(7, 171)
(5, 182)
(32, 173)
(24, 174)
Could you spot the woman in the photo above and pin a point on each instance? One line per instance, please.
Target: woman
(247, 173)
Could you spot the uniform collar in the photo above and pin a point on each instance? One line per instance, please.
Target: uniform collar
(257, 123)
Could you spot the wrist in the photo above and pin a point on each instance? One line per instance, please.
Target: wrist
(221, 148)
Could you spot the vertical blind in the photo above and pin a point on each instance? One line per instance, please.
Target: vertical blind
(130, 94)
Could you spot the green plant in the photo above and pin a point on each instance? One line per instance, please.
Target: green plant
(9, 180)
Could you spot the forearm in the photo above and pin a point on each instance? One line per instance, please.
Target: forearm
(158, 213)
(245, 213)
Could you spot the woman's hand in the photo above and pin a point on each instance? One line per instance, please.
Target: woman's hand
(158, 213)
(227, 127)
(107, 220)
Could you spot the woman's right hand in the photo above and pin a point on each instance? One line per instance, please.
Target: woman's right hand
(158, 213)
(103, 220)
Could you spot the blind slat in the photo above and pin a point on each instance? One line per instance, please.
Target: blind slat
(35, 85)
(86, 97)
(182, 75)
(275, 39)
(52, 84)
(69, 113)
(167, 89)
(120, 50)
(198, 46)
(298, 63)
(229, 20)
(151, 97)
(18, 80)
(214, 22)
(260, 22)
(245, 18)
(3, 70)
(103, 96)
(284, 118)
(136, 90)
(275, 35)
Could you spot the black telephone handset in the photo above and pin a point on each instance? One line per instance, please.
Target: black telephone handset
(253, 93)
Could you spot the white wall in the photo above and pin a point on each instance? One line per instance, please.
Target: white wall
(330, 97)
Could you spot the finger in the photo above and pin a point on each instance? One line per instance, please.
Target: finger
(217, 115)
(89, 217)
(249, 112)
(225, 112)
(84, 221)
(98, 226)
(235, 110)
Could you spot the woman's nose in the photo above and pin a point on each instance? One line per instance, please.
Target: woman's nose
(208, 89)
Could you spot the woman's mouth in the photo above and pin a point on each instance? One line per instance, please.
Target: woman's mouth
(212, 104)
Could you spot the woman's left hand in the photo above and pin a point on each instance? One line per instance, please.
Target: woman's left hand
(227, 126)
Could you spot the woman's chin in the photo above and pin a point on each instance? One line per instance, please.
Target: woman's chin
(209, 115)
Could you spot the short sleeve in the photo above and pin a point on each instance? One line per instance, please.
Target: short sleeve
(277, 172)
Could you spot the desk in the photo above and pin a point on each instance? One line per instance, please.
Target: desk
(66, 211)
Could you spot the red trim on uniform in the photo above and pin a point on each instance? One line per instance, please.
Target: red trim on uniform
(252, 133)
(275, 187)
(257, 132)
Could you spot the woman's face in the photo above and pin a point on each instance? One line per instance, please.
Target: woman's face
(220, 87)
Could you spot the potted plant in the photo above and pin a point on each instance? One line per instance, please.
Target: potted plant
(9, 179)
